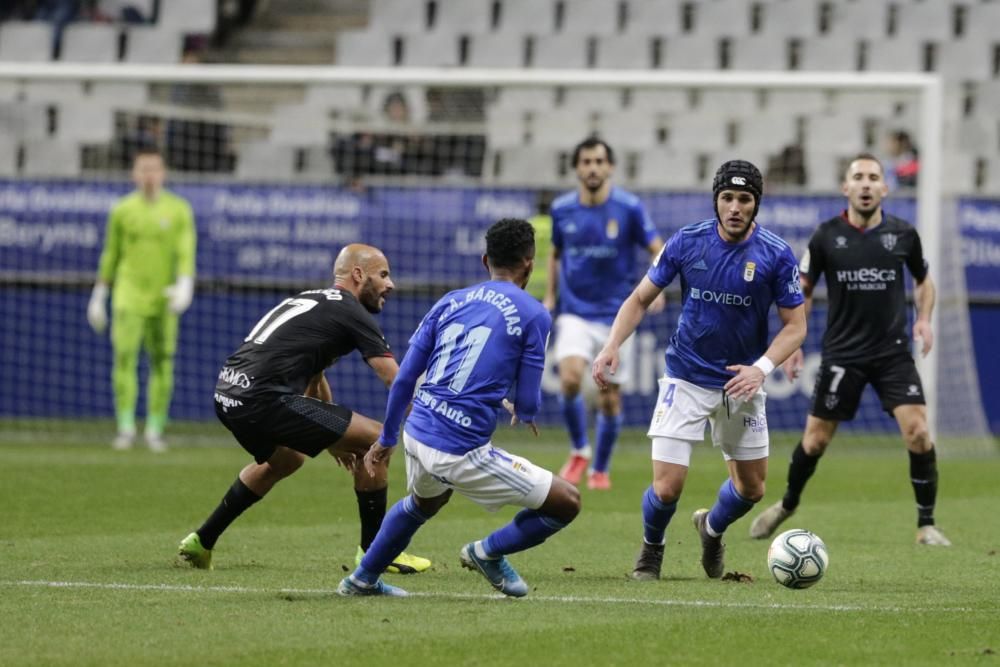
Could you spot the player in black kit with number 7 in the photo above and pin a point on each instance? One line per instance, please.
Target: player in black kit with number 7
(862, 252)
(272, 395)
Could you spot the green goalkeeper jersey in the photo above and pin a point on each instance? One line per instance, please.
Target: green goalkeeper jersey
(147, 246)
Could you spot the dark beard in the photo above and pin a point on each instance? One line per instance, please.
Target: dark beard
(369, 297)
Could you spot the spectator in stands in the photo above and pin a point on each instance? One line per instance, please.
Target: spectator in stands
(60, 13)
(198, 145)
(787, 167)
(904, 161)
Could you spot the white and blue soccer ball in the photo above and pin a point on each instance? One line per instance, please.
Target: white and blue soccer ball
(797, 558)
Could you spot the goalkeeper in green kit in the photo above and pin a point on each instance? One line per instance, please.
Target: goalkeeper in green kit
(148, 261)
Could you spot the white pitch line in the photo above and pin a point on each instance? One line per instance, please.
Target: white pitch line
(777, 606)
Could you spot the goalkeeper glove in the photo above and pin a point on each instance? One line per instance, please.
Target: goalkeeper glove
(179, 294)
(97, 313)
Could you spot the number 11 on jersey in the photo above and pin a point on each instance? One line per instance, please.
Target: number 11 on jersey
(473, 344)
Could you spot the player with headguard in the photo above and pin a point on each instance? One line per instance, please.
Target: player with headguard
(274, 398)
(861, 253)
(731, 271)
(596, 231)
(475, 345)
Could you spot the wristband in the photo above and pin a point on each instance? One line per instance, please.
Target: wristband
(765, 365)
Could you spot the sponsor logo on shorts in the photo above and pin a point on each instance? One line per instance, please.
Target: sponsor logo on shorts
(757, 423)
(235, 378)
(831, 401)
(227, 402)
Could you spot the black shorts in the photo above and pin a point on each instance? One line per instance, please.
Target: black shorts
(839, 387)
(306, 425)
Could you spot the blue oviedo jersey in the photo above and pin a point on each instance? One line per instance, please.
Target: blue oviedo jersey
(479, 343)
(597, 252)
(726, 292)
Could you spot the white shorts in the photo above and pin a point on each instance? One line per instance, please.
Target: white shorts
(683, 409)
(487, 476)
(577, 337)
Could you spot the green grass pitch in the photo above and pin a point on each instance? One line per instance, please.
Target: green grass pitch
(88, 536)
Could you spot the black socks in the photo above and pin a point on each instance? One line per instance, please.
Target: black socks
(799, 471)
(924, 477)
(371, 509)
(237, 499)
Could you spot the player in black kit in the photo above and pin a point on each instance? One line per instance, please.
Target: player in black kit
(862, 252)
(272, 395)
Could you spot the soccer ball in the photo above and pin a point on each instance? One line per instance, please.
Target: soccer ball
(797, 558)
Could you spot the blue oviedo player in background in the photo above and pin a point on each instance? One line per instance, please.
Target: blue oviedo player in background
(474, 345)
(596, 231)
(731, 271)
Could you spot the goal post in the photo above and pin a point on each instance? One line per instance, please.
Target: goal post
(951, 386)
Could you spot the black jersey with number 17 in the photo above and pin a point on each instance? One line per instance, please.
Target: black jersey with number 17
(297, 339)
(867, 316)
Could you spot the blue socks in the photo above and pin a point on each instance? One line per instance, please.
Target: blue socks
(528, 529)
(401, 522)
(729, 507)
(607, 436)
(575, 415)
(656, 514)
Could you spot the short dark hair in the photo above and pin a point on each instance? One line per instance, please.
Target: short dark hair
(147, 149)
(865, 156)
(509, 242)
(593, 142)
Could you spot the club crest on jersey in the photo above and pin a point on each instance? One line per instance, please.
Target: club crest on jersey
(888, 241)
(748, 271)
(611, 230)
(840, 242)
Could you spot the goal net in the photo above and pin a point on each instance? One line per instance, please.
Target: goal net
(284, 166)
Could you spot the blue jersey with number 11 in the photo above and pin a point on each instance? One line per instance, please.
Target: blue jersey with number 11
(479, 342)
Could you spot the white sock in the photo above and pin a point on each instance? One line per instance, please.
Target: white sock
(480, 551)
(585, 451)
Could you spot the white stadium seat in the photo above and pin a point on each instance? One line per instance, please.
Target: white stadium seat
(26, 41)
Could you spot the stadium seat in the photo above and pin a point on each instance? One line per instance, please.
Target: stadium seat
(931, 21)
(721, 18)
(767, 133)
(48, 158)
(981, 21)
(900, 54)
(24, 120)
(398, 16)
(317, 163)
(334, 97)
(592, 99)
(505, 127)
(871, 103)
(731, 102)
(701, 130)
(859, 20)
(987, 98)
(958, 173)
(526, 98)
(661, 18)
(496, 50)
(430, 50)
(364, 49)
(152, 46)
(828, 134)
(629, 130)
(299, 125)
(560, 51)
(25, 41)
(190, 16)
(85, 123)
(828, 54)
(661, 99)
(590, 17)
(559, 128)
(8, 155)
(667, 169)
(823, 169)
(991, 184)
(523, 166)
(265, 161)
(973, 135)
(965, 60)
(624, 52)
(89, 43)
(59, 92)
(758, 53)
(796, 101)
(527, 16)
(463, 17)
(691, 52)
(790, 18)
(119, 94)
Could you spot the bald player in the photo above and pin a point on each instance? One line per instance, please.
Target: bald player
(274, 398)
